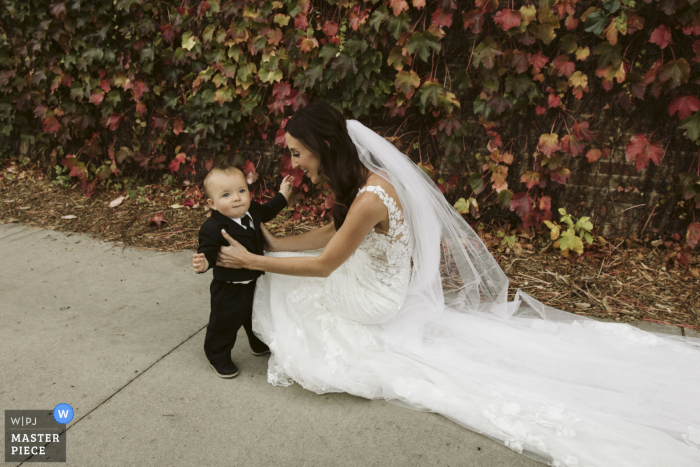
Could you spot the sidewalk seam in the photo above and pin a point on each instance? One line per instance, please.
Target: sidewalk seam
(119, 390)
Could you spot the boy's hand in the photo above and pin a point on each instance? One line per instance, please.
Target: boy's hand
(286, 186)
(199, 262)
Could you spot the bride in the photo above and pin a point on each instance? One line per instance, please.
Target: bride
(399, 299)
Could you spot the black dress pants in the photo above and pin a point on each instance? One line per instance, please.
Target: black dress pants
(231, 308)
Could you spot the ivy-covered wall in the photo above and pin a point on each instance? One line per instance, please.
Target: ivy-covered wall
(528, 106)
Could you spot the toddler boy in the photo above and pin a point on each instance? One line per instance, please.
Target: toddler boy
(232, 290)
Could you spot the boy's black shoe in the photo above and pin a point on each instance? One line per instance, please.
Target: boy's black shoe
(229, 371)
(258, 353)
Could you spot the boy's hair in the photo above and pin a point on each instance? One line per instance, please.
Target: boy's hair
(224, 169)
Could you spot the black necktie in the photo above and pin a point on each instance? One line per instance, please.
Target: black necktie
(245, 221)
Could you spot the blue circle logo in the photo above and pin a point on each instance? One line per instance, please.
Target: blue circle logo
(63, 413)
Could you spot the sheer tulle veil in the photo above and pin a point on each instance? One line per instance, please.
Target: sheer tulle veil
(643, 387)
(451, 265)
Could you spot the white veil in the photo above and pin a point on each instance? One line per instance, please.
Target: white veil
(451, 265)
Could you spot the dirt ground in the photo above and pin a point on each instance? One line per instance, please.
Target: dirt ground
(624, 279)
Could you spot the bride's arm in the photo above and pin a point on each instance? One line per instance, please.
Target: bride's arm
(313, 240)
(366, 212)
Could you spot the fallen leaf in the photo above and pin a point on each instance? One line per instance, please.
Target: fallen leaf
(177, 206)
(157, 219)
(116, 202)
(70, 216)
(583, 305)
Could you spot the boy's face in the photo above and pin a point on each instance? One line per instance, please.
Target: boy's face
(229, 194)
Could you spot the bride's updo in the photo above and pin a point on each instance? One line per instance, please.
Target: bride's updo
(340, 165)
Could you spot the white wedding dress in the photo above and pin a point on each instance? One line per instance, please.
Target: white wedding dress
(568, 391)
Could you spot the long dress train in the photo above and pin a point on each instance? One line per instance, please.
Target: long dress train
(567, 391)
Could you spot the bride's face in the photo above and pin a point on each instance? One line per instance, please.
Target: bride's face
(303, 158)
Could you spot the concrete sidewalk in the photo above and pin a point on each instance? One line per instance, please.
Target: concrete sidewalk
(117, 333)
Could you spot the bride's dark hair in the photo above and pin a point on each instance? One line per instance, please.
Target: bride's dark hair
(340, 165)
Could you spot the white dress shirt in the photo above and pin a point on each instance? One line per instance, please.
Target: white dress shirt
(238, 220)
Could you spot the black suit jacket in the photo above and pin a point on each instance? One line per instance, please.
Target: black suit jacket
(211, 240)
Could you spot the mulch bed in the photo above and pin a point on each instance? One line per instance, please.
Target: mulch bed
(624, 279)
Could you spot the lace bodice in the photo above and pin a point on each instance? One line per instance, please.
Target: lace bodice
(391, 251)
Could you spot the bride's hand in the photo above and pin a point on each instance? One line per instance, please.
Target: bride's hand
(269, 240)
(233, 256)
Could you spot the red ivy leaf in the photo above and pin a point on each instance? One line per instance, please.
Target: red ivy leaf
(507, 19)
(564, 66)
(97, 96)
(157, 219)
(441, 18)
(203, 8)
(474, 20)
(693, 235)
(248, 167)
(593, 155)
(301, 22)
(530, 178)
(549, 144)
(641, 149)
(684, 106)
(113, 121)
(58, 10)
(141, 108)
(279, 138)
(661, 37)
(178, 126)
(51, 125)
(540, 110)
(581, 131)
(168, 33)
(572, 145)
(553, 100)
(537, 60)
(330, 28)
(40, 111)
(398, 6)
(521, 203)
(561, 175)
(175, 164)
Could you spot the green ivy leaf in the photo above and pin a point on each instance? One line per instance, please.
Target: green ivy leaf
(378, 17)
(430, 91)
(476, 182)
(188, 40)
(328, 52)
(595, 22)
(208, 33)
(113, 97)
(424, 42)
(609, 54)
(398, 24)
(314, 72)
(462, 81)
(486, 53)
(170, 99)
(220, 80)
(345, 63)
(235, 52)
(568, 44)
(675, 72)
(692, 126)
(77, 91)
(518, 85)
(504, 197)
